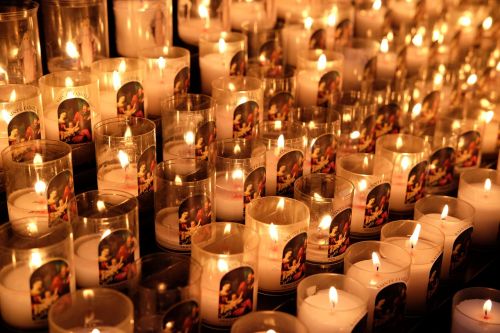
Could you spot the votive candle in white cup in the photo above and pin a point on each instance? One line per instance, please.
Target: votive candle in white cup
(198, 17)
(476, 310)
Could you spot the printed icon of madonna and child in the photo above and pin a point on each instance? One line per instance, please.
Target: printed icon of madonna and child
(59, 194)
(130, 100)
(25, 126)
(116, 256)
(290, 167)
(377, 206)
(74, 121)
(194, 212)
(294, 259)
(236, 293)
(145, 170)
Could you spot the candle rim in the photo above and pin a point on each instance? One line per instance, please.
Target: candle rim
(433, 204)
(327, 178)
(23, 94)
(146, 126)
(79, 79)
(363, 304)
(62, 150)
(287, 201)
(377, 246)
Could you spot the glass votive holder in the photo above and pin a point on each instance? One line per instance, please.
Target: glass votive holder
(126, 154)
(70, 104)
(188, 126)
(481, 189)
(383, 269)
(475, 310)
(167, 73)
(319, 77)
(329, 199)
(240, 104)
(357, 55)
(92, 310)
(389, 116)
(75, 33)
(240, 177)
(228, 253)
(371, 176)
(370, 20)
(454, 217)
(409, 155)
(121, 89)
(339, 17)
(425, 243)
(286, 145)
(221, 54)
(340, 301)
(22, 116)
(263, 12)
(184, 199)
(268, 321)
(148, 24)
(282, 225)
(309, 34)
(165, 289)
(402, 12)
(106, 231)
(36, 269)
(21, 56)
(38, 180)
(199, 17)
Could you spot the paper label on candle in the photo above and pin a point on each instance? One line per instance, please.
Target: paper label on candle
(158, 26)
(271, 58)
(460, 251)
(468, 150)
(370, 70)
(60, 191)
(430, 108)
(434, 275)
(48, 283)
(74, 121)
(367, 137)
(146, 169)
(280, 106)
(401, 61)
(289, 168)
(343, 33)
(255, 186)
(116, 256)
(377, 206)
(318, 40)
(182, 81)
(236, 293)
(338, 239)
(329, 88)
(416, 183)
(130, 100)
(194, 212)
(182, 317)
(24, 126)
(441, 167)
(205, 135)
(323, 154)
(387, 121)
(238, 65)
(389, 308)
(293, 260)
(244, 118)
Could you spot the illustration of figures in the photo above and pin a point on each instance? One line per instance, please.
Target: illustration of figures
(323, 154)
(370, 70)
(460, 251)
(377, 206)
(194, 212)
(469, 146)
(182, 318)
(434, 278)
(328, 89)
(343, 33)
(280, 106)
(338, 239)
(244, 117)
(24, 126)
(130, 100)
(318, 40)
(145, 170)
(74, 121)
(236, 295)
(271, 58)
(430, 108)
(87, 44)
(238, 64)
(182, 81)
(59, 192)
(390, 305)
(293, 260)
(116, 256)
(441, 167)
(416, 183)
(27, 53)
(255, 185)
(367, 136)
(387, 120)
(289, 168)
(205, 135)
(158, 27)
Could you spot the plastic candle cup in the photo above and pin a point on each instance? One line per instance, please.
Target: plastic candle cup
(371, 176)
(282, 225)
(340, 301)
(229, 283)
(105, 224)
(35, 270)
(101, 310)
(357, 54)
(240, 177)
(329, 199)
(268, 321)
(454, 218)
(384, 270)
(370, 18)
(425, 244)
(481, 189)
(184, 201)
(198, 17)
(476, 310)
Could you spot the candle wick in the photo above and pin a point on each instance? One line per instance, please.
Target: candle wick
(486, 314)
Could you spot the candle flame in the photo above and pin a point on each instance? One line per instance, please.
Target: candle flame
(472, 79)
(384, 45)
(438, 79)
(281, 204)
(237, 149)
(390, 36)
(317, 196)
(177, 180)
(487, 116)
(355, 135)
(308, 22)
(162, 63)
(311, 125)
(116, 80)
(36, 259)
(68, 82)
(277, 125)
(72, 51)
(202, 11)
(122, 67)
(321, 62)
(128, 132)
(376, 261)
(325, 222)
(417, 40)
(399, 143)
(227, 229)
(271, 331)
(222, 265)
(37, 159)
(87, 293)
(123, 158)
(487, 23)
(414, 236)
(40, 187)
(32, 228)
(405, 163)
(273, 232)
(222, 45)
(333, 296)
(281, 141)
(231, 86)
(487, 185)
(189, 138)
(101, 206)
(488, 304)
(331, 20)
(377, 4)
(415, 112)
(465, 21)
(362, 185)
(365, 162)
(13, 96)
(237, 174)
(444, 212)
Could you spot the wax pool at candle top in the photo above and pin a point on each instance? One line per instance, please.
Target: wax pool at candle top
(26, 202)
(119, 178)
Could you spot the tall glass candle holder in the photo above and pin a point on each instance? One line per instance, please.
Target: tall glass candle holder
(265, 46)
(319, 77)
(475, 310)
(228, 253)
(70, 103)
(148, 24)
(358, 55)
(329, 199)
(454, 217)
(263, 11)
(310, 33)
(481, 189)
(240, 106)
(409, 155)
(425, 244)
(221, 54)
(36, 269)
(167, 73)
(286, 145)
(282, 225)
(341, 301)
(120, 87)
(384, 270)
(85, 310)
(371, 19)
(76, 33)
(188, 126)
(126, 154)
(38, 180)
(371, 176)
(165, 289)
(266, 321)
(21, 56)
(184, 201)
(105, 224)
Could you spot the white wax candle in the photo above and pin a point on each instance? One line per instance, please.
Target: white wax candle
(468, 317)
(355, 61)
(118, 178)
(158, 85)
(108, 104)
(26, 203)
(190, 30)
(167, 228)
(370, 22)
(86, 263)
(386, 65)
(416, 58)
(213, 66)
(229, 198)
(239, 13)
(295, 39)
(402, 11)
(490, 137)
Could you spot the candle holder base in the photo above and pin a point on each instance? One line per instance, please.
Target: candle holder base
(273, 302)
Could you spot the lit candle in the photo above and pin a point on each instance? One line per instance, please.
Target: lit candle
(191, 28)
(386, 61)
(403, 11)
(239, 13)
(490, 136)
(476, 310)
(416, 55)
(296, 38)
(370, 21)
